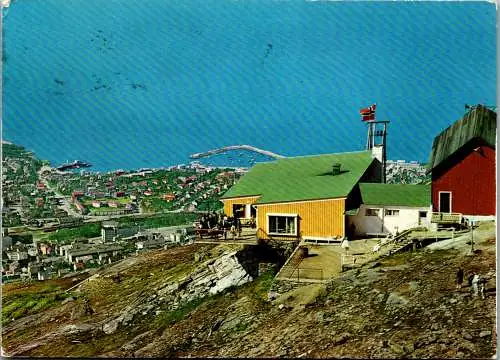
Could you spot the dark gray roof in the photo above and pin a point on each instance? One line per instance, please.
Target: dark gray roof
(94, 250)
(479, 123)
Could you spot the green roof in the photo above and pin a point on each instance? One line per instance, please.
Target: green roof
(302, 178)
(479, 123)
(395, 194)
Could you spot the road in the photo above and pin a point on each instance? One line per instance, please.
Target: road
(66, 206)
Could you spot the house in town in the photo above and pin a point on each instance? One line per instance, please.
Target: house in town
(304, 197)
(462, 166)
(17, 254)
(6, 242)
(86, 252)
(390, 209)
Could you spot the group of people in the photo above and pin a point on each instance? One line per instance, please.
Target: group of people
(475, 281)
(217, 221)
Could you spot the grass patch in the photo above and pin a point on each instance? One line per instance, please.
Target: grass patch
(241, 327)
(171, 317)
(397, 259)
(263, 285)
(86, 230)
(29, 303)
(164, 220)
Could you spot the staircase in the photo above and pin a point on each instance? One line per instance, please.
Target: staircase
(288, 269)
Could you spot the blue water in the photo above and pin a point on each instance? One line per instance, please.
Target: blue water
(126, 84)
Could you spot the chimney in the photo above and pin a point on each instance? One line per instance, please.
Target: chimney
(336, 168)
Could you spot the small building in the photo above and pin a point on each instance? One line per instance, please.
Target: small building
(302, 197)
(168, 197)
(92, 251)
(78, 266)
(17, 255)
(176, 238)
(113, 204)
(64, 248)
(34, 268)
(109, 231)
(32, 250)
(462, 166)
(390, 208)
(77, 194)
(45, 249)
(45, 275)
(6, 242)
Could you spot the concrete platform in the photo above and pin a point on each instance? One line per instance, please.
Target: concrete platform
(325, 262)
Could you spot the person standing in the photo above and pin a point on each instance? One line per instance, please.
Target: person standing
(224, 227)
(233, 228)
(460, 278)
(475, 281)
(482, 284)
(238, 226)
(345, 245)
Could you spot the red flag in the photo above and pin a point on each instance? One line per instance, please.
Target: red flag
(368, 113)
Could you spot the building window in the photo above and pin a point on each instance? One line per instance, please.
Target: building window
(391, 212)
(371, 212)
(282, 224)
(422, 214)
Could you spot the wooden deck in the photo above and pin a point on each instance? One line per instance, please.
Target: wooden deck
(446, 218)
(248, 237)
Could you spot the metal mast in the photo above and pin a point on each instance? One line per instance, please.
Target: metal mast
(377, 141)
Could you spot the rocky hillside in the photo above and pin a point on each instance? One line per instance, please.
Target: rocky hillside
(202, 300)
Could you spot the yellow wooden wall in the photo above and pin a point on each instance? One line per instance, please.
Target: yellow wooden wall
(228, 203)
(322, 218)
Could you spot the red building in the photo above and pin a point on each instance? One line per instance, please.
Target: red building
(463, 165)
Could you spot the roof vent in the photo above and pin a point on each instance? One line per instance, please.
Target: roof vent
(336, 169)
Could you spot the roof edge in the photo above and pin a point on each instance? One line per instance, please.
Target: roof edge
(324, 154)
(238, 197)
(304, 200)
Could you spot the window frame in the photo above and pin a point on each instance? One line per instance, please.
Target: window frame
(386, 212)
(285, 215)
(376, 210)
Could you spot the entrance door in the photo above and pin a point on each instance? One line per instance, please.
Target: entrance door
(445, 201)
(239, 210)
(422, 217)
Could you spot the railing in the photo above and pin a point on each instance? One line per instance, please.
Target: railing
(446, 218)
(261, 234)
(346, 260)
(292, 261)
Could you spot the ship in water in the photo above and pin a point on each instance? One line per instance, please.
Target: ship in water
(4, 8)
(77, 164)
